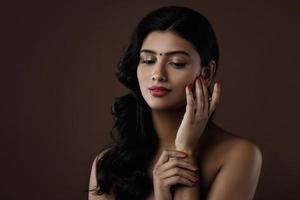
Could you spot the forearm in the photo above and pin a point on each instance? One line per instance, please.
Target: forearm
(187, 192)
(183, 192)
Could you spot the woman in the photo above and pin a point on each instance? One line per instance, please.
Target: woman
(166, 144)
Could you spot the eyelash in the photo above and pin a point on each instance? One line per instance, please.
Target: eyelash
(177, 65)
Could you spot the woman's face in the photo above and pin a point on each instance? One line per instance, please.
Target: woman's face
(161, 66)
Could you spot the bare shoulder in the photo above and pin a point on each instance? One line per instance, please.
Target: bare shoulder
(245, 148)
(93, 180)
(221, 147)
(101, 154)
(236, 162)
(238, 147)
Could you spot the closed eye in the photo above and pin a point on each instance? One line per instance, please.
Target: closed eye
(148, 61)
(178, 65)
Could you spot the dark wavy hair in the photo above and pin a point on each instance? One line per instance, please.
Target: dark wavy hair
(122, 170)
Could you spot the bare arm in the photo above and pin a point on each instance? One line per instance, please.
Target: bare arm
(237, 179)
(93, 182)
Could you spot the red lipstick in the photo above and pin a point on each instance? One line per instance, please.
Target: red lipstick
(158, 91)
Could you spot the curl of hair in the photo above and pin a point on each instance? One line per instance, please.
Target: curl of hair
(123, 168)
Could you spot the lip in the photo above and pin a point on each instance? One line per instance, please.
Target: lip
(158, 91)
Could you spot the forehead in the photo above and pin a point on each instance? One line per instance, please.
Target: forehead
(165, 41)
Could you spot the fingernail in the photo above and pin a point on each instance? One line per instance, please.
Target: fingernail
(183, 153)
(195, 180)
(218, 83)
(200, 77)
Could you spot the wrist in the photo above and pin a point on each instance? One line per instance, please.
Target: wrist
(186, 147)
(162, 195)
(189, 151)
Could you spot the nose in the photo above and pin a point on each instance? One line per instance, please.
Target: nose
(159, 72)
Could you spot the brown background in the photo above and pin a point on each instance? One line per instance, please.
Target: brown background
(57, 84)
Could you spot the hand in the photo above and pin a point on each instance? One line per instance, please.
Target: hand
(196, 116)
(171, 169)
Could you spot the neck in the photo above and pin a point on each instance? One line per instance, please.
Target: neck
(166, 124)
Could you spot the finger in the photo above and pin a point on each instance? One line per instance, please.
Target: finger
(215, 99)
(190, 103)
(180, 172)
(177, 163)
(164, 157)
(178, 180)
(199, 97)
(206, 96)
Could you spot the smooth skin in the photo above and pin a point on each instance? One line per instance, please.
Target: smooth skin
(172, 169)
(228, 165)
(194, 121)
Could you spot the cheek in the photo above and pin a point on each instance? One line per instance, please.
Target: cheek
(139, 74)
(142, 76)
(182, 81)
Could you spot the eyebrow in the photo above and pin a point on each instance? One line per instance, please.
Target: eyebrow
(167, 53)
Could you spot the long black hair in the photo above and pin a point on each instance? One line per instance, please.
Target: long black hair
(122, 170)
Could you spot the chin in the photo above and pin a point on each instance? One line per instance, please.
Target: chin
(159, 105)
